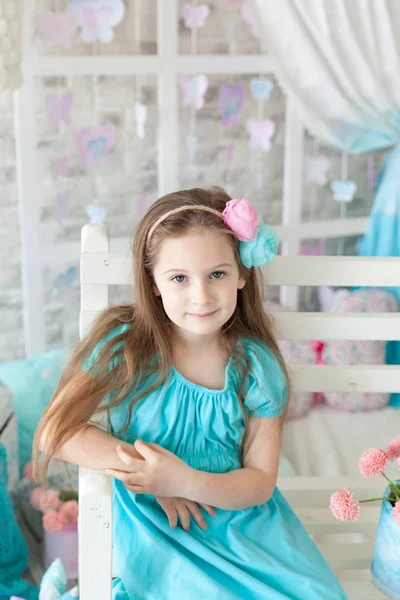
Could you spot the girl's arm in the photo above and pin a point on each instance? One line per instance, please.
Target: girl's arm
(92, 448)
(251, 485)
(162, 473)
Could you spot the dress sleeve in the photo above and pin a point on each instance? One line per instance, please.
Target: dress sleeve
(89, 362)
(265, 389)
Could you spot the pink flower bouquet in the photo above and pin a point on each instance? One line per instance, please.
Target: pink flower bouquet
(59, 506)
(372, 462)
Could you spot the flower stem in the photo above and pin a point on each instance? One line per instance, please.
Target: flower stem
(371, 500)
(393, 486)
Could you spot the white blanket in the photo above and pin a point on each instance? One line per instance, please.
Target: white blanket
(330, 442)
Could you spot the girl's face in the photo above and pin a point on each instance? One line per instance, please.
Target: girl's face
(197, 277)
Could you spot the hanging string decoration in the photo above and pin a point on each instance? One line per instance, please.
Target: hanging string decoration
(141, 118)
(194, 17)
(193, 89)
(372, 173)
(96, 213)
(316, 168)
(248, 16)
(261, 88)
(231, 100)
(141, 204)
(57, 29)
(62, 165)
(62, 202)
(97, 20)
(95, 145)
(261, 133)
(58, 108)
(229, 153)
(191, 145)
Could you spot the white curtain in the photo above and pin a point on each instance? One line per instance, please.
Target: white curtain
(10, 43)
(340, 60)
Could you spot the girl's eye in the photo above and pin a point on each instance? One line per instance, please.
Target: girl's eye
(218, 274)
(179, 278)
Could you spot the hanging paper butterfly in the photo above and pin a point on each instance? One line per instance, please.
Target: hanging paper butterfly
(141, 118)
(56, 28)
(98, 19)
(343, 191)
(95, 145)
(231, 99)
(191, 145)
(261, 133)
(312, 249)
(261, 88)
(316, 169)
(62, 165)
(96, 213)
(64, 284)
(194, 17)
(58, 108)
(248, 16)
(62, 201)
(193, 89)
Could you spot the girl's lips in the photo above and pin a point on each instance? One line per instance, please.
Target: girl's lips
(203, 316)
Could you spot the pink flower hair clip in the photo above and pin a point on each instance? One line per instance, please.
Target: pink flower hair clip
(258, 243)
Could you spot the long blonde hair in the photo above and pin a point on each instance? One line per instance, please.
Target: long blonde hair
(127, 359)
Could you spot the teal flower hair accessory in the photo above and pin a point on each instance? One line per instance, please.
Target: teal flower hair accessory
(261, 250)
(258, 243)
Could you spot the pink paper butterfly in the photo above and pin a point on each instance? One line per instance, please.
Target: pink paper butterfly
(260, 133)
(195, 17)
(97, 19)
(231, 99)
(193, 89)
(94, 146)
(57, 28)
(312, 249)
(59, 107)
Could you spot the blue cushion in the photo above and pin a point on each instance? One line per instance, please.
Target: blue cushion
(32, 382)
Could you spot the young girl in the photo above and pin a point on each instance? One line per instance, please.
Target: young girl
(196, 389)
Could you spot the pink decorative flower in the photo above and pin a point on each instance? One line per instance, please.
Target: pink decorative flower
(396, 512)
(242, 219)
(343, 505)
(54, 521)
(373, 462)
(36, 497)
(70, 509)
(393, 448)
(50, 501)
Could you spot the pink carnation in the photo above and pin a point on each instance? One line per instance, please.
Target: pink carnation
(343, 506)
(71, 510)
(373, 462)
(36, 497)
(50, 501)
(396, 512)
(393, 448)
(242, 219)
(54, 521)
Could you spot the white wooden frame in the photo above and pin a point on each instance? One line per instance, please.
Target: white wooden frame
(100, 269)
(166, 66)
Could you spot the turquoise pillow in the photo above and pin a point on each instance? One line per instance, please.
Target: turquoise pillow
(32, 382)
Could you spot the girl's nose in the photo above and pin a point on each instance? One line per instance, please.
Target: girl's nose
(201, 294)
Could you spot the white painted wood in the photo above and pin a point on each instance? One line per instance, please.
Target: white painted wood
(95, 488)
(284, 270)
(28, 195)
(333, 271)
(167, 96)
(355, 378)
(292, 194)
(337, 326)
(152, 65)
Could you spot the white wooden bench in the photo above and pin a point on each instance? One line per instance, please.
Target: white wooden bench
(348, 547)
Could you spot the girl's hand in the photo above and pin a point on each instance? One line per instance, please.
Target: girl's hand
(184, 509)
(160, 472)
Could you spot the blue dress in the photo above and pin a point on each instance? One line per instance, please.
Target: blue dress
(258, 553)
